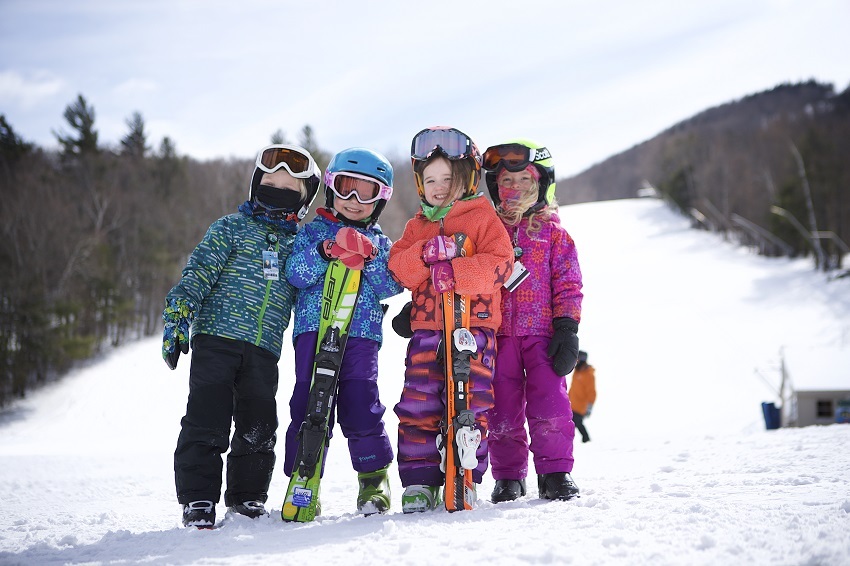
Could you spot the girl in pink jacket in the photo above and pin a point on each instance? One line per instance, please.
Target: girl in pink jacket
(537, 342)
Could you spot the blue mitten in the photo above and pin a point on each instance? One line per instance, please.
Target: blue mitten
(178, 315)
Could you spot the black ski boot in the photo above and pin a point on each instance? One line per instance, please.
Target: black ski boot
(557, 485)
(251, 509)
(200, 514)
(507, 490)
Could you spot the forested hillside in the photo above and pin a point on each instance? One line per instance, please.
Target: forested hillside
(729, 167)
(94, 235)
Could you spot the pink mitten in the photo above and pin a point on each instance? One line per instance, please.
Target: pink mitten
(443, 276)
(353, 241)
(352, 261)
(439, 248)
(330, 250)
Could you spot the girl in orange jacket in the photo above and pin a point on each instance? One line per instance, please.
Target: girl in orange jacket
(447, 168)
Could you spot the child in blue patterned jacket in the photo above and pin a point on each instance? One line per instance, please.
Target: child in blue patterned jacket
(358, 184)
(238, 305)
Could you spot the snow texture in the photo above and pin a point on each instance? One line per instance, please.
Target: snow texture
(683, 329)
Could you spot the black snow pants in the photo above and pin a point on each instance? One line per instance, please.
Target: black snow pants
(229, 381)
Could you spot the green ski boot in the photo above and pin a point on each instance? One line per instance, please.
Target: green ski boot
(420, 498)
(374, 495)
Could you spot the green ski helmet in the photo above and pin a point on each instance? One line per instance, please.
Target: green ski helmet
(514, 156)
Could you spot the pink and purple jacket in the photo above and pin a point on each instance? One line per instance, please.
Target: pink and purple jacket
(553, 287)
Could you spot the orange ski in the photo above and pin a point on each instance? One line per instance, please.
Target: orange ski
(458, 438)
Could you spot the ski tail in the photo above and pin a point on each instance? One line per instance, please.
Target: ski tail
(458, 439)
(339, 297)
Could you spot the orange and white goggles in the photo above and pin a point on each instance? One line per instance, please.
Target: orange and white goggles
(296, 160)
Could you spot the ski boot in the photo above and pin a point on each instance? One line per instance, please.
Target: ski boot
(250, 509)
(557, 485)
(420, 498)
(374, 495)
(200, 514)
(507, 490)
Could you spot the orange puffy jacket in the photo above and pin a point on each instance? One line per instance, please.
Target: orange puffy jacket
(481, 275)
(583, 388)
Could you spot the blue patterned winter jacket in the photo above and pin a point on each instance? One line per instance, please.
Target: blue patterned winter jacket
(224, 277)
(306, 268)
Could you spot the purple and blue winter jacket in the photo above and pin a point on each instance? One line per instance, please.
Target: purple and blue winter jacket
(305, 270)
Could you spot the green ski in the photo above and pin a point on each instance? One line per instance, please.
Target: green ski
(341, 291)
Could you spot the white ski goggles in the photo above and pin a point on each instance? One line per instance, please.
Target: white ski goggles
(296, 160)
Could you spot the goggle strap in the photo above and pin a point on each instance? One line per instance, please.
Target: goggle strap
(540, 154)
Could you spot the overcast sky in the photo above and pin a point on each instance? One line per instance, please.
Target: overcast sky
(586, 78)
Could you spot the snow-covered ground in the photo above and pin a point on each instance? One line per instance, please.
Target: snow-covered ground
(679, 470)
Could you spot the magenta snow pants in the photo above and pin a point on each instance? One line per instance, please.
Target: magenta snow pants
(526, 388)
(423, 404)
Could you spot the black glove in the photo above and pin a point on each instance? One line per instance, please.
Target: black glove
(401, 321)
(563, 348)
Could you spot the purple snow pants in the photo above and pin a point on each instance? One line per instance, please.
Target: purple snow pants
(527, 388)
(357, 404)
(422, 405)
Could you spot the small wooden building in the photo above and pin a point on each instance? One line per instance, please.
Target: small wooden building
(817, 407)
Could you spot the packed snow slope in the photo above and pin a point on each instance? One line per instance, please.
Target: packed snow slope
(683, 329)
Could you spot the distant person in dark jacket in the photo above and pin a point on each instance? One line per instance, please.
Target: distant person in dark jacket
(583, 393)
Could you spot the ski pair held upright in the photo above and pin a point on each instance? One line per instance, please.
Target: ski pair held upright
(458, 440)
(339, 298)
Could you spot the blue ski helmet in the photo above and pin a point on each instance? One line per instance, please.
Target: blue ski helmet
(361, 161)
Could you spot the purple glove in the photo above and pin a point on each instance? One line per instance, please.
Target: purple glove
(439, 248)
(443, 276)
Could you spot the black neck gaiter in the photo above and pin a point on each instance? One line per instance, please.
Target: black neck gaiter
(277, 199)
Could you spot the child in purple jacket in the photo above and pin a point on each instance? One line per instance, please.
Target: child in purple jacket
(537, 342)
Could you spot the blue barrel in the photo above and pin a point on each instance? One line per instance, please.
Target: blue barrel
(772, 417)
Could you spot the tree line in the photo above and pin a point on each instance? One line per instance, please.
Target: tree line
(94, 236)
(770, 170)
